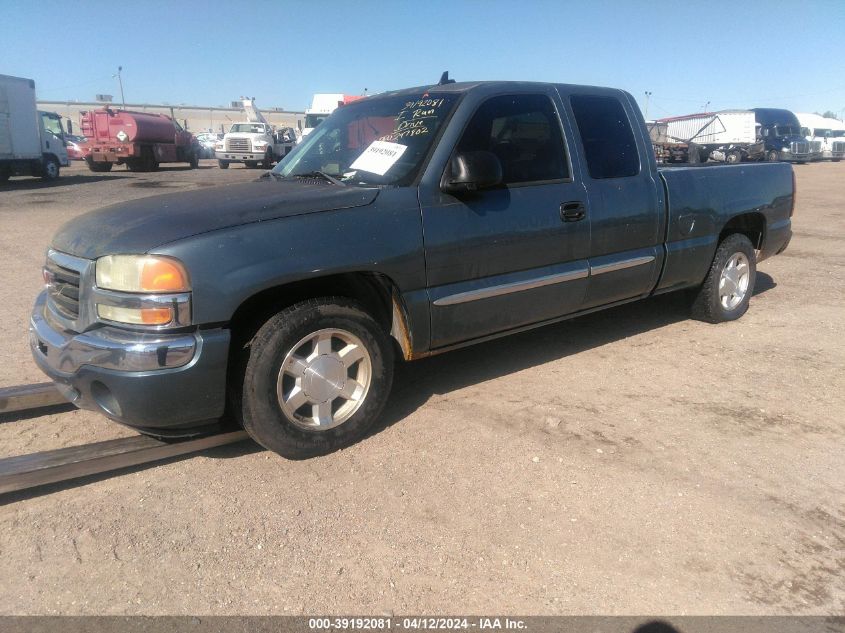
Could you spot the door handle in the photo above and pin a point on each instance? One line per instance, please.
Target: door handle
(572, 211)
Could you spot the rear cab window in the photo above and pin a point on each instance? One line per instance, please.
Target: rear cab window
(606, 135)
(524, 133)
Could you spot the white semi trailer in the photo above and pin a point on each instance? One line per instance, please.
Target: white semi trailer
(31, 142)
(727, 136)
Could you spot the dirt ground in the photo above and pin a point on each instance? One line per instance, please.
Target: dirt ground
(628, 462)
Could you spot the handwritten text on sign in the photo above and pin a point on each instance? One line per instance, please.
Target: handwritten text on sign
(379, 157)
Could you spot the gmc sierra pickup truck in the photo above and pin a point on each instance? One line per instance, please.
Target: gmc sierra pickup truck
(407, 224)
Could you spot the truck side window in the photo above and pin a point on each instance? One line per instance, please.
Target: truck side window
(523, 131)
(606, 133)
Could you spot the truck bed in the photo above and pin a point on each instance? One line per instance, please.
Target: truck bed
(702, 199)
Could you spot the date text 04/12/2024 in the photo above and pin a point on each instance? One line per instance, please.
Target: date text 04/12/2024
(415, 623)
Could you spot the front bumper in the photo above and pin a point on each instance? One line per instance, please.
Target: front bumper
(789, 157)
(151, 381)
(238, 156)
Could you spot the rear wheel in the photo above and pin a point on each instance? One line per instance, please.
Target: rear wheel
(5, 173)
(194, 160)
(733, 157)
(251, 164)
(98, 167)
(772, 156)
(316, 377)
(729, 284)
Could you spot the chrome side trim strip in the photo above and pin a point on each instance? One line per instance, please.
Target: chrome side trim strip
(516, 286)
(621, 265)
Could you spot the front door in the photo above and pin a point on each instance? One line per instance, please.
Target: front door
(513, 255)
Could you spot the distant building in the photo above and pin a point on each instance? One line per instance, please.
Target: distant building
(198, 118)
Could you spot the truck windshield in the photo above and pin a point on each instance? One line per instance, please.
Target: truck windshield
(250, 128)
(380, 140)
(786, 130)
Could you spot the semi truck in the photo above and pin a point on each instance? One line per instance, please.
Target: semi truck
(139, 140)
(322, 105)
(408, 224)
(254, 142)
(820, 133)
(726, 136)
(780, 133)
(31, 141)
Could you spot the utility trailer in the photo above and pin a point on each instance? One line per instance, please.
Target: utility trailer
(31, 142)
(728, 136)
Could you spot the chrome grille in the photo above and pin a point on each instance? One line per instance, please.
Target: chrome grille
(816, 147)
(62, 289)
(800, 147)
(237, 144)
(838, 147)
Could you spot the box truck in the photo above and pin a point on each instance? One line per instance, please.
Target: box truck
(31, 142)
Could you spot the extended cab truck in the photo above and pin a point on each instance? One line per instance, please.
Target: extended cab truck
(405, 225)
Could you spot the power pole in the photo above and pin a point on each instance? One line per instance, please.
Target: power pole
(120, 81)
(647, 96)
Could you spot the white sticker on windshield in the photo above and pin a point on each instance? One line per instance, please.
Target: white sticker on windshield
(379, 157)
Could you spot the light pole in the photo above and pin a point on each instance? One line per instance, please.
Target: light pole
(120, 81)
(647, 96)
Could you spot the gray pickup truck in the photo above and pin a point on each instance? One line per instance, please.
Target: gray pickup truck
(407, 224)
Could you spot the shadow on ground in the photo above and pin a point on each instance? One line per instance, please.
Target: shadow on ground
(415, 383)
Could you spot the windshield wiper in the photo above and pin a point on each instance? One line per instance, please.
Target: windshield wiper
(321, 174)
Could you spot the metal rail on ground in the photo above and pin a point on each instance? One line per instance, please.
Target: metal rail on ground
(47, 467)
(23, 397)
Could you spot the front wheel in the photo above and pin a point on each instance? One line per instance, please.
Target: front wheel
(194, 160)
(772, 156)
(729, 284)
(316, 377)
(223, 164)
(267, 163)
(50, 169)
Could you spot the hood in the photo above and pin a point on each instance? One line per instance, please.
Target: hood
(141, 225)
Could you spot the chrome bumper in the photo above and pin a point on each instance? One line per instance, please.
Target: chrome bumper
(106, 347)
(236, 156)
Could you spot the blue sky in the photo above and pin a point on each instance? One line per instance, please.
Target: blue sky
(733, 54)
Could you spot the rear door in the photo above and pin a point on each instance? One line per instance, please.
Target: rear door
(625, 199)
(513, 255)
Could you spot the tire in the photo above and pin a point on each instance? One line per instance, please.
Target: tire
(693, 156)
(771, 156)
(835, 160)
(267, 163)
(251, 164)
(715, 304)
(193, 160)
(5, 173)
(292, 432)
(732, 158)
(50, 168)
(223, 164)
(99, 167)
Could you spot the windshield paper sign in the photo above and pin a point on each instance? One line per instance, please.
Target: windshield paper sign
(379, 157)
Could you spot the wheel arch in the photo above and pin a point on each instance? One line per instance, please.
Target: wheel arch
(376, 292)
(752, 225)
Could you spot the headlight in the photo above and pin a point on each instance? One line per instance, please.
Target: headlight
(141, 273)
(156, 290)
(785, 149)
(220, 146)
(259, 143)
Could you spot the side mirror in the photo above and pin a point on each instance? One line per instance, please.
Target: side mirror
(471, 171)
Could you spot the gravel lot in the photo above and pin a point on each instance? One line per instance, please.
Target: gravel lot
(629, 462)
